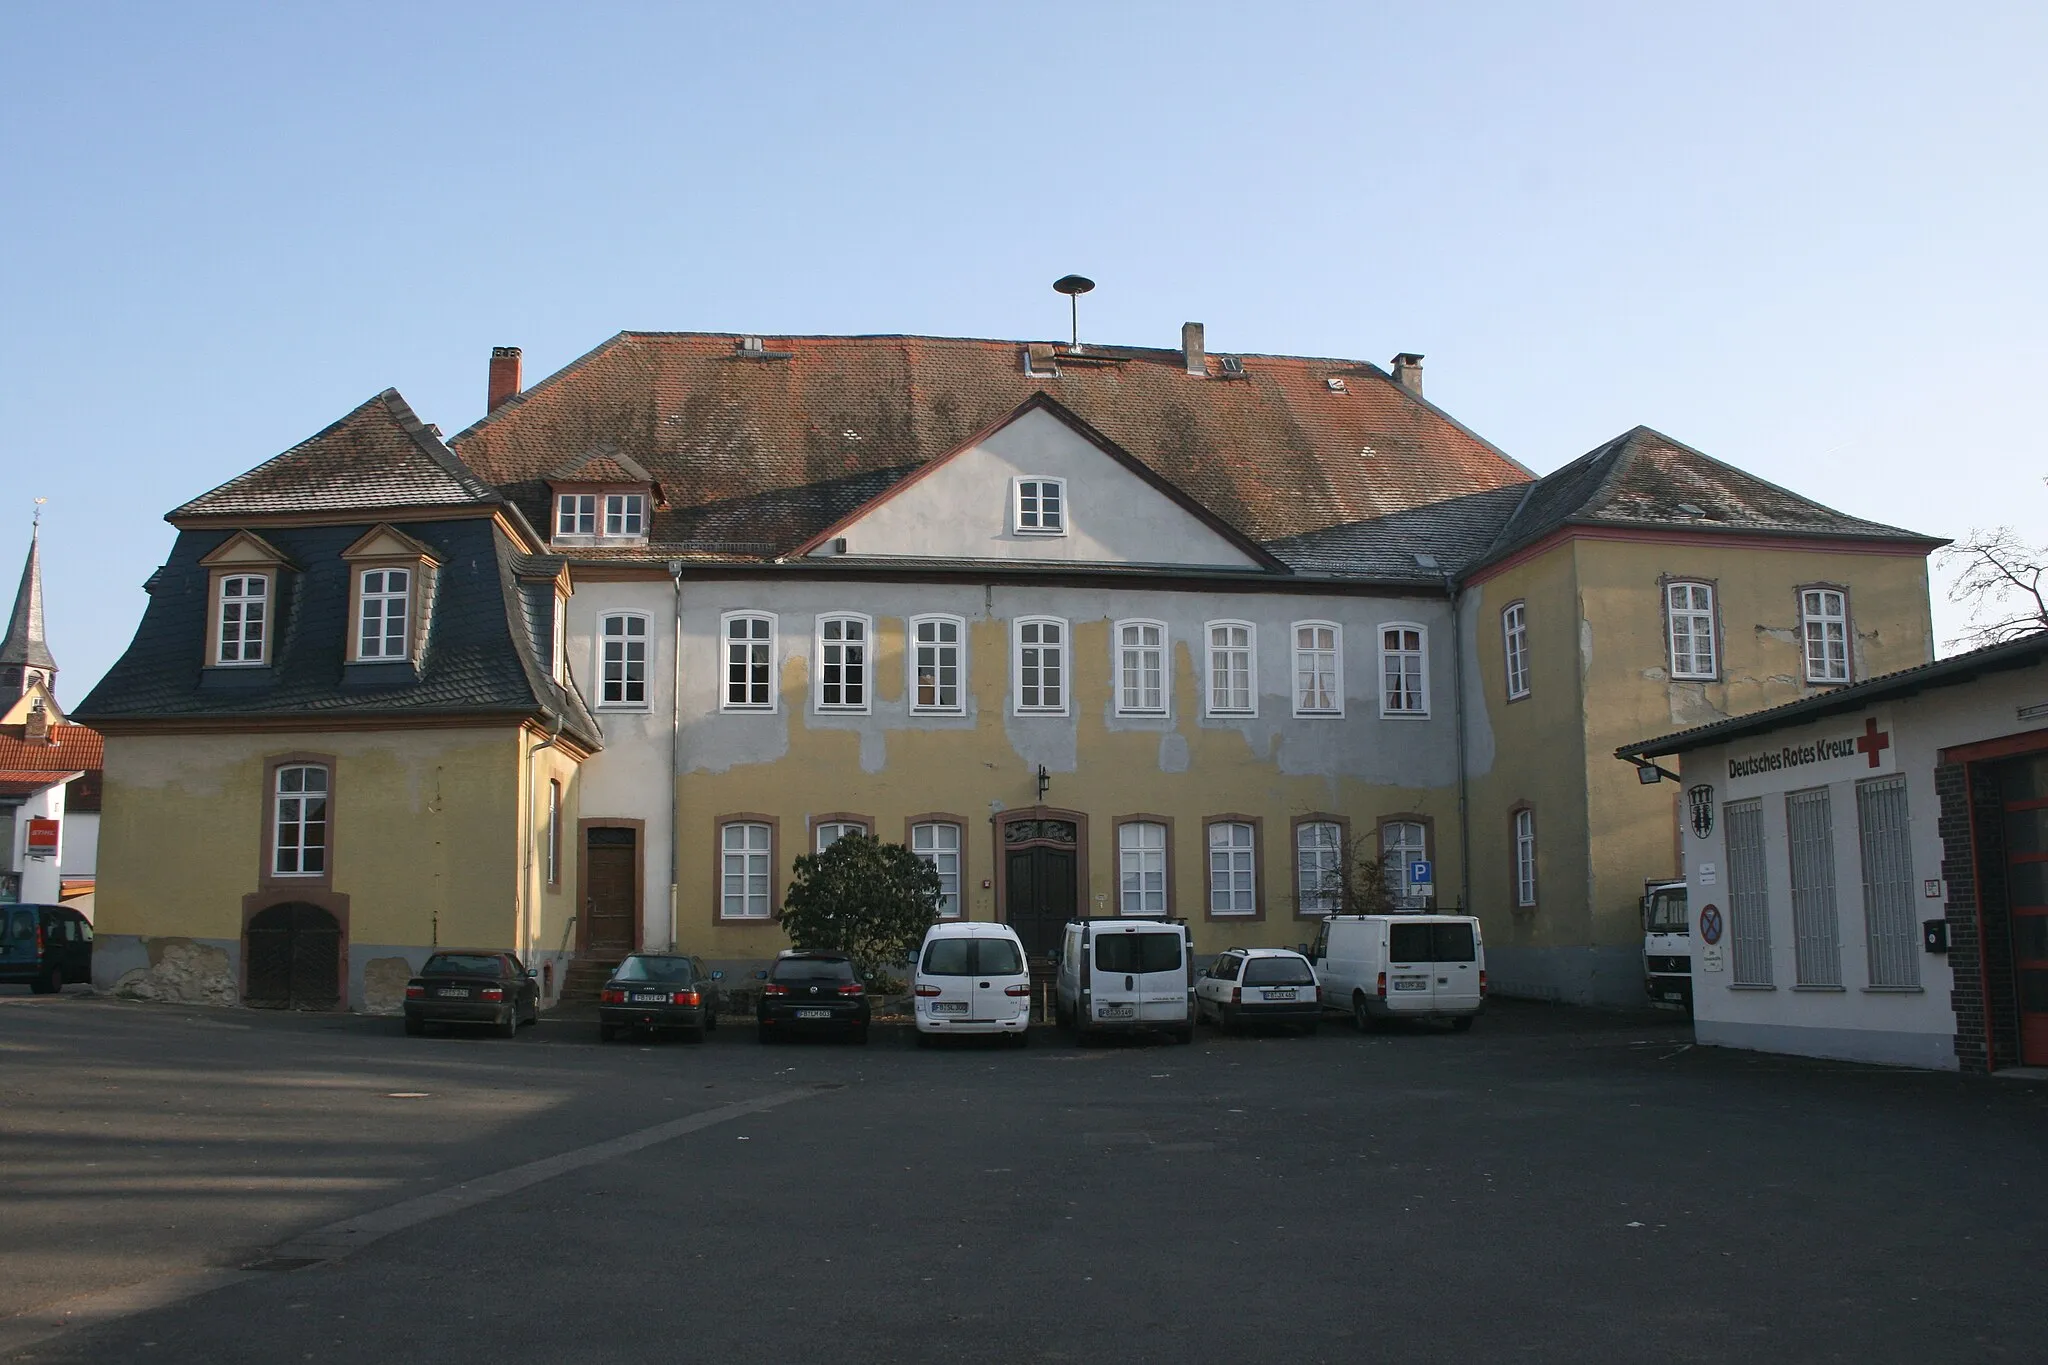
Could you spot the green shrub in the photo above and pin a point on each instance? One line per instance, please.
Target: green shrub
(862, 897)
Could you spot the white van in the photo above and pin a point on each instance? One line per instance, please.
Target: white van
(1381, 967)
(972, 978)
(1118, 975)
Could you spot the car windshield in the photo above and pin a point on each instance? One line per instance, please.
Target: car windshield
(1137, 952)
(949, 957)
(463, 964)
(675, 969)
(1666, 914)
(18, 925)
(1278, 971)
(811, 969)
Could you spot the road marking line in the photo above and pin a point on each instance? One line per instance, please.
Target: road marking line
(330, 1243)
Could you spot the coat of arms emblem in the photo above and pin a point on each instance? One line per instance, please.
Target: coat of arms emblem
(1701, 800)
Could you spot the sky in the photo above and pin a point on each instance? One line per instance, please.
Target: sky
(1804, 239)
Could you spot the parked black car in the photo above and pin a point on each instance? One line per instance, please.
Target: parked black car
(472, 988)
(44, 946)
(812, 992)
(658, 991)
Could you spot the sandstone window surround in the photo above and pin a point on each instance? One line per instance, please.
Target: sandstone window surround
(243, 581)
(392, 584)
(941, 842)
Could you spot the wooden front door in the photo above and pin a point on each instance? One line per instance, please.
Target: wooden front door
(1040, 881)
(2024, 795)
(611, 884)
(293, 959)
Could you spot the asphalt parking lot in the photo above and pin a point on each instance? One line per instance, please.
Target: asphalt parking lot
(1554, 1185)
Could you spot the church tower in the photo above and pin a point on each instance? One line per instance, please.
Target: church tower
(25, 652)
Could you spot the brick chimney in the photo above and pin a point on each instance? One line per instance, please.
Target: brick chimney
(36, 726)
(504, 376)
(1407, 368)
(1192, 348)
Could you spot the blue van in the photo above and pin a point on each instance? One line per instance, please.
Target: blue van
(44, 946)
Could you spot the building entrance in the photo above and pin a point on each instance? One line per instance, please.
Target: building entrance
(611, 871)
(1041, 871)
(293, 954)
(2023, 801)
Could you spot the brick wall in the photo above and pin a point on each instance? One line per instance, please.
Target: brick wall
(1959, 875)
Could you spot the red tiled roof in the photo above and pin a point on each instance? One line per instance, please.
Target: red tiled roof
(78, 749)
(1276, 453)
(14, 782)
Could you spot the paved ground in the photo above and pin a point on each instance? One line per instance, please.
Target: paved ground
(1554, 1185)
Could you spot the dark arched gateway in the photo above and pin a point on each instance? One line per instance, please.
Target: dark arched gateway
(293, 953)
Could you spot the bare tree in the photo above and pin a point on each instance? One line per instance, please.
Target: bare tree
(1999, 578)
(1353, 880)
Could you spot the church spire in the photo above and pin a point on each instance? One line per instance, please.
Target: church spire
(25, 652)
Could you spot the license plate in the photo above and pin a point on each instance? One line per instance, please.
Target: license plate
(1411, 985)
(814, 1014)
(949, 1007)
(453, 992)
(645, 998)
(1287, 994)
(1119, 1011)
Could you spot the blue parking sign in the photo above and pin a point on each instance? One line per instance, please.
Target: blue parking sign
(1419, 874)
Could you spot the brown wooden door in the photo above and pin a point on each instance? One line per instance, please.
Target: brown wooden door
(2025, 799)
(611, 883)
(1038, 895)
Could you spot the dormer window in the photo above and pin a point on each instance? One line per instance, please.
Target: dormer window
(385, 601)
(1041, 507)
(243, 573)
(625, 514)
(576, 514)
(601, 515)
(392, 580)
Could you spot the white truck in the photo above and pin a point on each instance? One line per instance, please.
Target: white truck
(1667, 946)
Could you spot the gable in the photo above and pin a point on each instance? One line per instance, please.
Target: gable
(961, 507)
(244, 548)
(385, 542)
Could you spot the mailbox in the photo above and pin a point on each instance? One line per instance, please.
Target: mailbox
(1934, 934)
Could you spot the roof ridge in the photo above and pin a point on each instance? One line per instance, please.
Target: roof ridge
(449, 462)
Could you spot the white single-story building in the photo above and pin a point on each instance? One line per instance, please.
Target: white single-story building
(1867, 868)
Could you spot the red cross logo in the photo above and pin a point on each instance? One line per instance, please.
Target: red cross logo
(1873, 742)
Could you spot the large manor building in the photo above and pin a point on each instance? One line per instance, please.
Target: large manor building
(1114, 630)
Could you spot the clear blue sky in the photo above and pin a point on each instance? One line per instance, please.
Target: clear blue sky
(1804, 239)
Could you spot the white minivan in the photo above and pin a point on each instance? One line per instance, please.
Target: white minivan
(1119, 975)
(972, 978)
(1377, 968)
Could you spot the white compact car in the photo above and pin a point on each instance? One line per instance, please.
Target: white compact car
(1258, 986)
(1378, 968)
(1125, 974)
(972, 978)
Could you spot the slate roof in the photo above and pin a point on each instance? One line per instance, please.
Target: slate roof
(773, 451)
(379, 456)
(1453, 532)
(1643, 478)
(2025, 652)
(484, 653)
(25, 642)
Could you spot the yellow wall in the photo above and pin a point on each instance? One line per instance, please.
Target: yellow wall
(961, 771)
(424, 821)
(550, 906)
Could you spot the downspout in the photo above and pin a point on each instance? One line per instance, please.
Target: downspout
(529, 933)
(675, 755)
(1456, 594)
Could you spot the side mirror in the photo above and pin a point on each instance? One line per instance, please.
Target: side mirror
(532, 974)
(718, 976)
(1301, 948)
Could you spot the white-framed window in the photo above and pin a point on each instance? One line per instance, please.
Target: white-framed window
(1404, 843)
(938, 843)
(622, 659)
(832, 831)
(1689, 616)
(244, 620)
(745, 850)
(1041, 506)
(842, 647)
(749, 661)
(1233, 684)
(1525, 859)
(575, 514)
(385, 597)
(1233, 869)
(1824, 629)
(1514, 636)
(1404, 669)
(1141, 868)
(1141, 654)
(1319, 867)
(299, 836)
(1041, 662)
(558, 656)
(1318, 668)
(625, 515)
(936, 680)
(554, 833)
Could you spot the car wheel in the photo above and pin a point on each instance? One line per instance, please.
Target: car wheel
(508, 1027)
(414, 1027)
(711, 1020)
(1185, 1033)
(1462, 1024)
(607, 1032)
(51, 982)
(1360, 1015)
(1022, 1039)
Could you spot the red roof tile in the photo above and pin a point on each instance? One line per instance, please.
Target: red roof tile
(78, 749)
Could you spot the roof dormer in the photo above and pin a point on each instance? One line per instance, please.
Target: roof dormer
(392, 582)
(243, 586)
(602, 498)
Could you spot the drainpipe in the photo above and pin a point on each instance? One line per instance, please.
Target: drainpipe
(1455, 594)
(527, 933)
(675, 752)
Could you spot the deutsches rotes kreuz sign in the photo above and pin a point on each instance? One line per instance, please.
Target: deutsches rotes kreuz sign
(1810, 755)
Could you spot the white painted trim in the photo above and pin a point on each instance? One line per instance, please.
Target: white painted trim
(1507, 648)
(1294, 652)
(219, 613)
(1017, 526)
(959, 646)
(866, 705)
(1380, 635)
(1714, 642)
(1017, 706)
(725, 702)
(646, 702)
(1116, 667)
(1209, 707)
